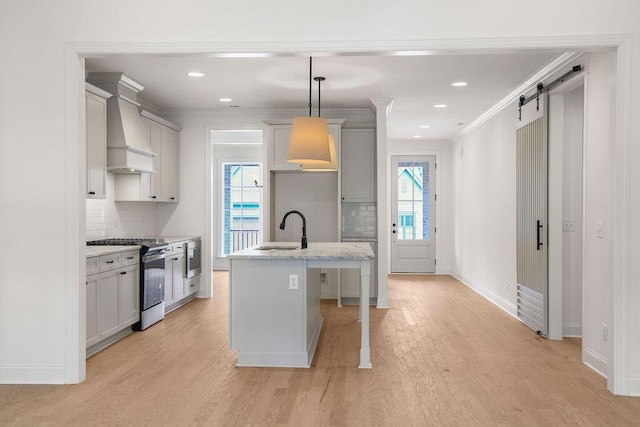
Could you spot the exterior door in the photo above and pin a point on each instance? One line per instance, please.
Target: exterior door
(413, 238)
(531, 210)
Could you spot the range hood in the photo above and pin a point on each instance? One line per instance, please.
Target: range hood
(128, 145)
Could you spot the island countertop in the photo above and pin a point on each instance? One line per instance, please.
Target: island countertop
(315, 250)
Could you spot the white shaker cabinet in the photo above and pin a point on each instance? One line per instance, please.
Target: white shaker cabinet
(96, 134)
(162, 185)
(92, 309)
(164, 137)
(358, 165)
(174, 282)
(113, 295)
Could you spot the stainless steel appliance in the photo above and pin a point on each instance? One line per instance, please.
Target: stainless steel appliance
(152, 257)
(192, 258)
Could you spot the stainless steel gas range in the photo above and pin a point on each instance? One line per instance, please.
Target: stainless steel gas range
(152, 263)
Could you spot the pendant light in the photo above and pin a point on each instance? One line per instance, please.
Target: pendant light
(332, 166)
(309, 136)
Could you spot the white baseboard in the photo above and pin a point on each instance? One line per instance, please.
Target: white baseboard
(32, 374)
(595, 361)
(634, 386)
(572, 330)
(507, 306)
(383, 303)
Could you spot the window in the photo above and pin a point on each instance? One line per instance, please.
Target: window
(240, 206)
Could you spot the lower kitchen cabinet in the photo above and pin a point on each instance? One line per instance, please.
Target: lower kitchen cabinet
(113, 296)
(92, 309)
(350, 278)
(174, 275)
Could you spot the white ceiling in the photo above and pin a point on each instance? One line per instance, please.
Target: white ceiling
(415, 83)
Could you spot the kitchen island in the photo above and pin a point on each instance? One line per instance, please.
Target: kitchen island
(274, 300)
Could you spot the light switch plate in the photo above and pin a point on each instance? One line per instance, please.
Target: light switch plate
(569, 225)
(600, 229)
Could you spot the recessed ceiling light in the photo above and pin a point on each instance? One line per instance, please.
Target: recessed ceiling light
(459, 84)
(440, 106)
(225, 99)
(417, 136)
(195, 74)
(425, 126)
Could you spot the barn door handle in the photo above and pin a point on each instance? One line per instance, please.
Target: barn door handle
(538, 242)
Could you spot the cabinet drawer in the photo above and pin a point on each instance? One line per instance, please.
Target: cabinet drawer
(93, 265)
(192, 285)
(177, 248)
(111, 261)
(130, 257)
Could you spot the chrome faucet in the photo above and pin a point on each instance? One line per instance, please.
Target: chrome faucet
(304, 226)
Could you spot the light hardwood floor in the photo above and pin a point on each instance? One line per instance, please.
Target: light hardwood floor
(442, 355)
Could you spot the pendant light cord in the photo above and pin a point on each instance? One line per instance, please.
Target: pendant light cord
(310, 79)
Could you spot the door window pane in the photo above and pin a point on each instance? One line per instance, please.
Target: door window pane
(241, 206)
(413, 200)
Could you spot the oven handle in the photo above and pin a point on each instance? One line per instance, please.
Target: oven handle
(153, 257)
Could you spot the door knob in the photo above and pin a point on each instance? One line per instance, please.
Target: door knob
(393, 224)
(394, 231)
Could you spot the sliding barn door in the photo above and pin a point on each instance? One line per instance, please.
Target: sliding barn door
(532, 226)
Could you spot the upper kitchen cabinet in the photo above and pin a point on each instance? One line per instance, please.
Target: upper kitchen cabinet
(277, 144)
(358, 165)
(96, 126)
(162, 184)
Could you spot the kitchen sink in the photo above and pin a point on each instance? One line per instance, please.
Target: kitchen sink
(276, 247)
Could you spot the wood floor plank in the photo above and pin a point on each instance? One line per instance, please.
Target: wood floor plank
(442, 355)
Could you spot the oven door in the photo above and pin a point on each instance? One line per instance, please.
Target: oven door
(192, 258)
(153, 280)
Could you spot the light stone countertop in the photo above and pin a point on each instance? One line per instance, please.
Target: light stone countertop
(92, 251)
(316, 250)
(176, 239)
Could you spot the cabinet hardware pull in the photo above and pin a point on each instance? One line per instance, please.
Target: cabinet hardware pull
(175, 259)
(153, 197)
(110, 262)
(173, 198)
(92, 192)
(129, 257)
(394, 231)
(123, 272)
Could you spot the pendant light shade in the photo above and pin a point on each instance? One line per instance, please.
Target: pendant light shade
(308, 143)
(332, 166)
(309, 136)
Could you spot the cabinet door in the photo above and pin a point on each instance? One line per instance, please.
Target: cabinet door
(168, 281)
(178, 277)
(170, 161)
(278, 146)
(108, 303)
(155, 137)
(92, 309)
(129, 296)
(358, 165)
(96, 113)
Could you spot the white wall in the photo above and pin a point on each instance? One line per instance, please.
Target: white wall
(572, 209)
(485, 209)
(484, 174)
(40, 124)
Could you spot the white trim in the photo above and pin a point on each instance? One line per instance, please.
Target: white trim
(34, 374)
(634, 386)
(619, 382)
(97, 91)
(75, 169)
(551, 68)
(572, 330)
(160, 120)
(75, 211)
(505, 305)
(595, 362)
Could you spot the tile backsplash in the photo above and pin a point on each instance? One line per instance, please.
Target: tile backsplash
(359, 220)
(107, 219)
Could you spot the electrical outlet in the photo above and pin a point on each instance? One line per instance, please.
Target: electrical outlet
(323, 277)
(507, 285)
(600, 230)
(605, 332)
(293, 281)
(569, 225)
